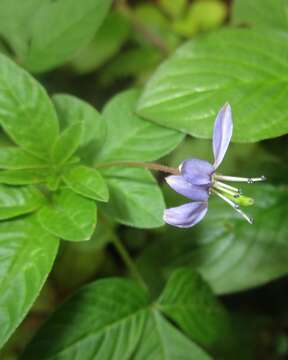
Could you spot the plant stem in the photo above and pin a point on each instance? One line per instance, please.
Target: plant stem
(128, 262)
(150, 166)
(140, 27)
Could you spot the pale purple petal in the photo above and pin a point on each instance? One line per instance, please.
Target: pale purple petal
(183, 187)
(196, 171)
(186, 215)
(222, 134)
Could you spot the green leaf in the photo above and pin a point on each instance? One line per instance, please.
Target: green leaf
(131, 138)
(111, 320)
(86, 182)
(162, 341)
(71, 110)
(103, 321)
(267, 13)
(13, 158)
(135, 62)
(67, 143)
(231, 254)
(26, 113)
(135, 198)
(110, 37)
(19, 201)
(69, 216)
(190, 303)
(188, 90)
(23, 177)
(47, 33)
(27, 256)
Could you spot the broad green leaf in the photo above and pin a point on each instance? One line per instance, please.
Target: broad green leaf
(69, 216)
(23, 177)
(87, 182)
(71, 110)
(45, 33)
(14, 158)
(129, 137)
(102, 321)
(189, 301)
(162, 341)
(110, 37)
(231, 254)
(16, 201)
(67, 143)
(267, 13)
(60, 28)
(26, 113)
(135, 198)
(27, 256)
(111, 320)
(188, 90)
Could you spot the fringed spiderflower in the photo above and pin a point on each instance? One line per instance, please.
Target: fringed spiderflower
(198, 180)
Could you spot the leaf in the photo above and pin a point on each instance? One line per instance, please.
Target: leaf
(111, 320)
(71, 110)
(87, 182)
(67, 143)
(131, 138)
(19, 201)
(27, 256)
(188, 90)
(135, 198)
(190, 303)
(26, 113)
(50, 32)
(135, 62)
(109, 39)
(230, 254)
(162, 341)
(13, 158)
(23, 177)
(267, 13)
(106, 320)
(69, 216)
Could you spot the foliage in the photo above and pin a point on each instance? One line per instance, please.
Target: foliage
(92, 94)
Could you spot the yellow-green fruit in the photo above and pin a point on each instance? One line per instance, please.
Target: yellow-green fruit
(202, 16)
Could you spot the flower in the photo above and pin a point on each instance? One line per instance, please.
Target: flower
(198, 179)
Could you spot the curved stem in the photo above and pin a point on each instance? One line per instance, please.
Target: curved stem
(128, 262)
(150, 166)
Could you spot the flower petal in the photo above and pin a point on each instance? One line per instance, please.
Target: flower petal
(222, 134)
(183, 187)
(196, 171)
(186, 215)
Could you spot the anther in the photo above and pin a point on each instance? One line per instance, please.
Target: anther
(250, 181)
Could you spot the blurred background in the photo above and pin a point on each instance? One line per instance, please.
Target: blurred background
(135, 37)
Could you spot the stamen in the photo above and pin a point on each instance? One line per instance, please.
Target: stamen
(239, 179)
(245, 216)
(233, 193)
(229, 187)
(235, 206)
(223, 197)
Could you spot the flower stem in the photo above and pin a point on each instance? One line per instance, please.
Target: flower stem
(125, 256)
(150, 166)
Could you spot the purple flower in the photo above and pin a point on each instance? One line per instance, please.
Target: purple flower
(198, 179)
